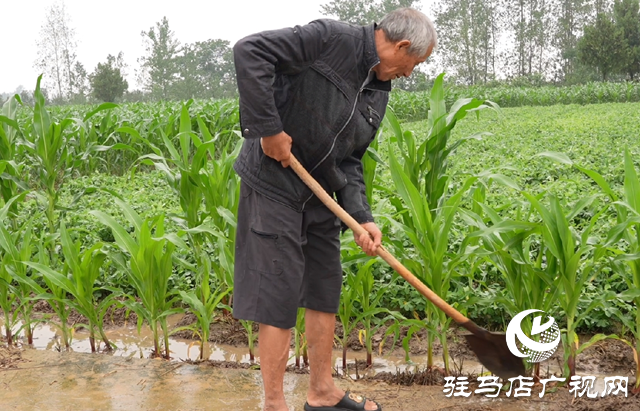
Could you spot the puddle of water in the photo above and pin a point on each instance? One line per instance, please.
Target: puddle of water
(132, 344)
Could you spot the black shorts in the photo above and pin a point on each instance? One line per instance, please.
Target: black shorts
(284, 260)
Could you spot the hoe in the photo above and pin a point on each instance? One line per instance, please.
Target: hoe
(490, 348)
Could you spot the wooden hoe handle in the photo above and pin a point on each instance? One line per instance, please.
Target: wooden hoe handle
(381, 251)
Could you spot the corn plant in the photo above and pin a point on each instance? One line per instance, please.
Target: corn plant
(203, 173)
(572, 257)
(411, 106)
(515, 249)
(623, 240)
(191, 179)
(221, 187)
(88, 138)
(82, 269)
(370, 161)
(347, 314)
(425, 210)
(299, 341)
(7, 299)
(370, 306)
(10, 167)
(8, 294)
(356, 305)
(184, 179)
(147, 258)
(203, 303)
(18, 248)
(55, 296)
(251, 338)
(50, 149)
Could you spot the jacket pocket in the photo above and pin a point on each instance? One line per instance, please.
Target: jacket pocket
(373, 116)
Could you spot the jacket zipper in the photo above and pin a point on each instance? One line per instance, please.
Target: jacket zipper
(353, 110)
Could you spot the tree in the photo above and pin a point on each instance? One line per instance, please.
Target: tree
(216, 69)
(602, 46)
(159, 67)
(572, 15)
(205, 70)
(57, 51)
(530, 22)
(468, 31)
(417, 81)
(627, 17)
(79, 84)
(107, 81)
(363, 12)
(189, 85)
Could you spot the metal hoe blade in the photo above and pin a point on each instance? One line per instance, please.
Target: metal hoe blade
(492, 351)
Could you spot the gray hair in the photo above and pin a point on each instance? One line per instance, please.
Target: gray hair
(410, 24)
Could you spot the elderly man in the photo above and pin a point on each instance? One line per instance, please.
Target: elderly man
(318, 91)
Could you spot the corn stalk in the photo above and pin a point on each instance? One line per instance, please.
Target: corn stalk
(82, 269)
(147, 258)
(426, 211)
(623, 241)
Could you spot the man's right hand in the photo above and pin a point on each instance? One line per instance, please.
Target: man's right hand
(278, 147)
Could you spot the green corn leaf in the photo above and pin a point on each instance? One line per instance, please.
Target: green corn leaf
(185, 119)
(631, 183)
(101, 107)
(599, 180)
(227, 215)
(69, 250)
(555, 156)
(119, 233)
(409, 193)
(593, 340)
(41, 119)
(55, 277)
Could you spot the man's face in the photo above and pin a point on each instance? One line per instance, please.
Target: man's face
(396, 61)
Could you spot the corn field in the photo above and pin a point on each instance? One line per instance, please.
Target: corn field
(412, 106)
(72, 236)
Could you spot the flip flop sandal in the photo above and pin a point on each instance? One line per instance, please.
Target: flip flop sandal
(350, 402)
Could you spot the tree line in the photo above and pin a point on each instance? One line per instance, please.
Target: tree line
(563, 41)
(480, 42)
(169, 69)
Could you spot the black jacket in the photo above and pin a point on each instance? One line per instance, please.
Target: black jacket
(310, 81)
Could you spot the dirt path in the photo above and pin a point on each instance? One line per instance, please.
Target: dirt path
(45, 380)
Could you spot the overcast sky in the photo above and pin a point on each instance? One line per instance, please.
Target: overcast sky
(112, 26)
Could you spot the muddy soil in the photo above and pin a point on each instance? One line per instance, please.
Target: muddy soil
(631, 403)
(225, 330)
(116, 315)
(10, 357)
(607, 357)
(46, 380)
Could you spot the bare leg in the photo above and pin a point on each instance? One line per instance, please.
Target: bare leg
(322, 392)
(274, 352)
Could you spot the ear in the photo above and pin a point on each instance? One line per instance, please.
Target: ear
(402, 44)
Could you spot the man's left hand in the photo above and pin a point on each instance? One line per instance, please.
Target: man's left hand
(370, 240)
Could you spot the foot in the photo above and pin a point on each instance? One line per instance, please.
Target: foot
(275, 406)
(334, 396)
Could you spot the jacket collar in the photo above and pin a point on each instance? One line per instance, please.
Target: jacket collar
(371, 58)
